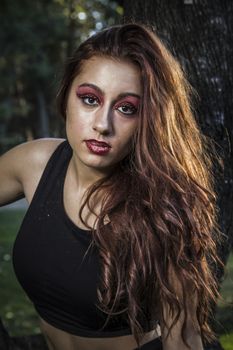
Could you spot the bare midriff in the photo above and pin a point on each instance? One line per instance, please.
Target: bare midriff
(59, 340)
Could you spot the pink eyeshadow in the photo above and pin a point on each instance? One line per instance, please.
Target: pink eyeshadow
(82, 90)
(129, 99)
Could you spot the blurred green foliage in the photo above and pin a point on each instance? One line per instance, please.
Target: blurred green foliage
(227, 341)
(35, 39)
(19, 315)
(16, 310)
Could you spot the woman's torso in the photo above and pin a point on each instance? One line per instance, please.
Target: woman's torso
(58, 339)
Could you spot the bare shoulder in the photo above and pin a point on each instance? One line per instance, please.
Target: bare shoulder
(22, 166)
(38, 151)
(30, 155)
(36, 154)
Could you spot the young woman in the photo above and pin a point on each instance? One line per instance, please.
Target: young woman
(113, 249)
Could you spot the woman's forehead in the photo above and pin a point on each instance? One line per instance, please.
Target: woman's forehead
(108, 73)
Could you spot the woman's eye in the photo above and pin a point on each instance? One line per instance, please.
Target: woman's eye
(127, 109)
(89, 100)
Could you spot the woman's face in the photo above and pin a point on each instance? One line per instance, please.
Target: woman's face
(102, 112)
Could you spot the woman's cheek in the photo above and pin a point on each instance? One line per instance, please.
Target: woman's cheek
(75, 120)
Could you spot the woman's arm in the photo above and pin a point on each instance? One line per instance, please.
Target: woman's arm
(174, 340)
(11, 167)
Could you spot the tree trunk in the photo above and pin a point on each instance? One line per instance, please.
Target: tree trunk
(199, 33)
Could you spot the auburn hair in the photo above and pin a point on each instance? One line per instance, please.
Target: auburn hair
(160, 245)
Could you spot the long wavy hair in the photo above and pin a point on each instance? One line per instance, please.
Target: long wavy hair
(160, 245)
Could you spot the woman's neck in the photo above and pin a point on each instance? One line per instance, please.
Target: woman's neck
(84, 176)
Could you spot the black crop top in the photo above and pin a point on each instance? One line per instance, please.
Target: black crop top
(47, 259)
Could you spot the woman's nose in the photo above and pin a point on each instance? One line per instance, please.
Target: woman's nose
(102, 122)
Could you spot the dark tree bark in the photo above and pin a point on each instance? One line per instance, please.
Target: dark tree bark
(199, 33)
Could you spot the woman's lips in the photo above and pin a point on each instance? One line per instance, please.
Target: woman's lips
(97, 147)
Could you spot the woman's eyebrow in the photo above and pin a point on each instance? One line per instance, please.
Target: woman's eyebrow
(125, 94)
(122, 95)
(93, 86)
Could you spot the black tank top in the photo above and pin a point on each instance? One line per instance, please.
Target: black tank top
(49, 261)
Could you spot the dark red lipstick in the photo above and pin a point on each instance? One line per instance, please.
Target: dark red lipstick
(98, 147)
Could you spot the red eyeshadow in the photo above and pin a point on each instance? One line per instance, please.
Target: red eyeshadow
(129, 99)
(82, 90)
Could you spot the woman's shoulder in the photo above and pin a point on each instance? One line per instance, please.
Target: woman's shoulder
(29, 155)
(37, 153)
(22, 166)
(33, 157)
(34, 154)
(40, 150)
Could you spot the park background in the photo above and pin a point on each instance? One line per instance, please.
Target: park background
(35, 39)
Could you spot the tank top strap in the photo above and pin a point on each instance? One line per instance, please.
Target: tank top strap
(52, 179)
